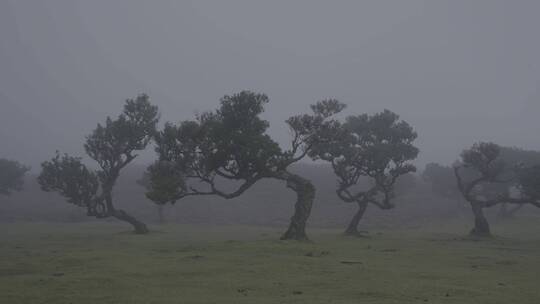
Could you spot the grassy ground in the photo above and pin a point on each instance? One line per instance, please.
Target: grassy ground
(103, 263)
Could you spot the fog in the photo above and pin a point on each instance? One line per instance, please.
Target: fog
(458, 71)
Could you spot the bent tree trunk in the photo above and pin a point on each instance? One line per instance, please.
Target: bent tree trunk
(481, 225)
(305, 194)
(140, 227)
(352, 230)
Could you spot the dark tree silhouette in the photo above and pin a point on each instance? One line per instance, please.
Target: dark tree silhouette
(487, 186)
(112, 146)
(11, 176)
(443, 181)
(375, 147)
(231, 144)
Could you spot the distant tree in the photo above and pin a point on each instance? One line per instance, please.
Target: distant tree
(196, 157)
(112, 146)
(442, 180)
(11, 176)
(144, 181)
(378, 147)
(406, 184)
(488, 186)
(529, 184)
(523, 158)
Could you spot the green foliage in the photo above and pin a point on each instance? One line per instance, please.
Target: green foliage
(229, 143)
(71, 178)
(165, 183)
(443, 181)
(112, 146)
(378, 146)
(11, 176)
(483, 160)
(313, 133)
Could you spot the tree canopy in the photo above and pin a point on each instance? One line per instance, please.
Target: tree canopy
(378, 147)
(113, 146)
(11, 176)
(231, 143)
(487, 186)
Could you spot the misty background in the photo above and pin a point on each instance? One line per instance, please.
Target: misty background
(458, 71)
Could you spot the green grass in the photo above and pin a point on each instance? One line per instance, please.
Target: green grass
(103, 263)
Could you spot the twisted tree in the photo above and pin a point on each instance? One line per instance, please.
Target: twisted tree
(230, 144)
(378, 148)
(113, 146)
(443, 181)
(11, 176)
(487, 185)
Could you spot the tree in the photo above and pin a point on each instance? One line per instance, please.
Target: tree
(230, 144)
(529, 184)
(144, 181)
(406, 184)
(11, 176)
(377, 147)
(442, 180)
(112, 146)
(487, 186)
(525, 159)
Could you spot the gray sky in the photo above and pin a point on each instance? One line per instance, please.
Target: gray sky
(458, 71)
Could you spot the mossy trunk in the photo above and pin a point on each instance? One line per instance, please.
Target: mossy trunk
(305, 194)
(481, 225)
(352, 229)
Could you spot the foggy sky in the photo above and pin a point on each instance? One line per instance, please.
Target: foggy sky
(458, 71)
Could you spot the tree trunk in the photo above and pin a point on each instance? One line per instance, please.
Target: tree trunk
(481, 225)
(140, 227)
(352, 230)
(305, 194)
(160, 214)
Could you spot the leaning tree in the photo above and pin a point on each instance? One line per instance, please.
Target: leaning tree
(113, 146)
(11, 176)
(443, 181)
(483, 177)
(203, 156)
(376, 147)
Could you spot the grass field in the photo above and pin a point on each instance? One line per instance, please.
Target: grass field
(104, 263)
